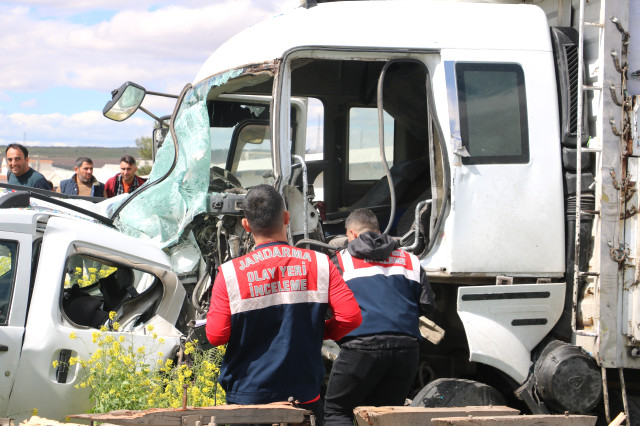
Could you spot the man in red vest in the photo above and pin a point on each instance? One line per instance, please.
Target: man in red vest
(378, 361)
(270, 306)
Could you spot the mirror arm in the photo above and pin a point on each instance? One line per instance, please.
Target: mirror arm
(166, 95)
(149, 113)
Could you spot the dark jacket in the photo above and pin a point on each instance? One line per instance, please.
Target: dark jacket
(31, 178)
(391, 288)
(70, 186)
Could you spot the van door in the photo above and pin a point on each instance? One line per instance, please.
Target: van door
(15, 255)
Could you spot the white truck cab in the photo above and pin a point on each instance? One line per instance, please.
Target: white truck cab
(495, 141)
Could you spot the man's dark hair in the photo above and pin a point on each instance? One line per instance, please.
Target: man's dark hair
(81, 160)
(362, 219)
(128, 159)
(263, 207)
(22, 148)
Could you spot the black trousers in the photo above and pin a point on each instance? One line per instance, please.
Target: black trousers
(368, 377)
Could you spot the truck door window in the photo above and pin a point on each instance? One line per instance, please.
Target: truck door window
(252, 162)
(8, 257)
(364, 147)
(93, 288)
(493, 113)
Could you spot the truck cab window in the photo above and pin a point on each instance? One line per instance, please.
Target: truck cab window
(8, 257)
(493, 113)
(364, 146)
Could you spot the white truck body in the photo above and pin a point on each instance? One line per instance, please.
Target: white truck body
(495, 165)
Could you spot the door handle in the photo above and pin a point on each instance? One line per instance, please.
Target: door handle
(4, 348)
(63, 365)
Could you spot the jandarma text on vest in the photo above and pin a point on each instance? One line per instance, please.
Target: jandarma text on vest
(269, 252)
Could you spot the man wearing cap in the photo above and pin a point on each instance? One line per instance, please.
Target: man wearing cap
(270, 306)
(378, 361)
(82, 182)
(19, 171)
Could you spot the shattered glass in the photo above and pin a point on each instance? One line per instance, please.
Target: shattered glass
(162, 211)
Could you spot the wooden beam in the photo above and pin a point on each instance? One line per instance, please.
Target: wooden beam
(420, 416)
(266, 413)
(536, 420)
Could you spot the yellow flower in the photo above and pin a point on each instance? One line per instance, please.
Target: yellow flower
(55, 364)
(116, 325)
(73, 335)
(34, 412)
(112, 315)
(78, 270)
(150, 327)
(121, 339)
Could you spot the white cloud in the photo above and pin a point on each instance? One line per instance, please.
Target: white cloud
(163, 47)
(82, 129)
(29, 103)
(155, 43)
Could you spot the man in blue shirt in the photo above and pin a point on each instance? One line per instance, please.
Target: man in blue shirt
(20, 173)
(83, 182)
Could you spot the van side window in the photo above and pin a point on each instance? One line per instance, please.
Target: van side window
(93, 288)
(493, 113)
(8, 257)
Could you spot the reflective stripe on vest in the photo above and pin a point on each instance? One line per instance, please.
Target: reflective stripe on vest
(276, 275)
(398, 263)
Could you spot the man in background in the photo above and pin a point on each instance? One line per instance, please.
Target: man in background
(126, 181)
(378, 361)
(83, 182)
(19, 171)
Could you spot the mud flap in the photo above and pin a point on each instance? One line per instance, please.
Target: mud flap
(504, 323)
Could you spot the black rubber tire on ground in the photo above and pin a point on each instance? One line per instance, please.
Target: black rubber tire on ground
(457, 393)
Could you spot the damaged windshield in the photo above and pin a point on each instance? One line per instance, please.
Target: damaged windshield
(217, 129)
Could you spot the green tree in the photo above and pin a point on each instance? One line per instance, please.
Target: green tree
(145, 151)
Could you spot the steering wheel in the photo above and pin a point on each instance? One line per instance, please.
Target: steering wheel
(221, 180)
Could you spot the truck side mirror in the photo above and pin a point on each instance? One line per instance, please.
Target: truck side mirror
(125, 100)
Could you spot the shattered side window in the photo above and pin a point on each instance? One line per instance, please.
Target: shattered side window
(93, 288)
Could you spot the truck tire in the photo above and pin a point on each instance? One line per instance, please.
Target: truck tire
(457, 393)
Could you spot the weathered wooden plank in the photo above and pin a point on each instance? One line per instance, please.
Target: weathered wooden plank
(420, 416)
(535, 420)
(266, 413)
(620, 418)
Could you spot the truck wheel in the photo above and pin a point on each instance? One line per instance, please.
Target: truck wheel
(457, 393)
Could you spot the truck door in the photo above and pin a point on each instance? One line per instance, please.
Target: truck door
(507, 188)
(15, 254)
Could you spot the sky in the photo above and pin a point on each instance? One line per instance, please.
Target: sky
(62, 58)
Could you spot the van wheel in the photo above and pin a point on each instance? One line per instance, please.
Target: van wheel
(457, 393)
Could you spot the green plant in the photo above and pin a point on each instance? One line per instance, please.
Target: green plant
(121, 376)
